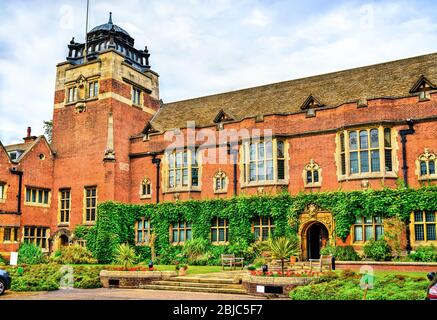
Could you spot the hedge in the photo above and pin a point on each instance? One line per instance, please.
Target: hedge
(115, 222)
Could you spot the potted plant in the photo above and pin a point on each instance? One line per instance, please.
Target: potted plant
(182, 269)
(283, 248)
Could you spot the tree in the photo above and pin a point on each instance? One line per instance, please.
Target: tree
(48, 128)
(283, 248)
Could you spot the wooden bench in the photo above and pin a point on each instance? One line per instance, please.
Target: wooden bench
(325, 260)
(229, 260)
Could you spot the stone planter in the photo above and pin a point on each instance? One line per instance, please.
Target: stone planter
(132, 279)
(274, 286)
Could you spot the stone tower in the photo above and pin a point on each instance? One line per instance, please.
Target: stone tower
(102, 99)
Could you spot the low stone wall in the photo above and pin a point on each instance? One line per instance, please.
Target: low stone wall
(259, 285)
(387, 266)
(132, 279)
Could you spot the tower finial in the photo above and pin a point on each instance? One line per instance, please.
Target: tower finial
(110, 18)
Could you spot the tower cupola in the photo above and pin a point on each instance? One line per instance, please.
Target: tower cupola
(106, 37)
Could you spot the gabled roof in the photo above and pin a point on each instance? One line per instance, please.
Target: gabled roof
(223, 116)
(391, 79)
(420, 82)
(26, 147)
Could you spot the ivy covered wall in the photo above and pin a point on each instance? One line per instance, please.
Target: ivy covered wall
(115, 222)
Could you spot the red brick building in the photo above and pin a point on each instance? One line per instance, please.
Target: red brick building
(113, 139)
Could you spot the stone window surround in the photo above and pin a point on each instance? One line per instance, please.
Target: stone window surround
(148, 195)
(215, 225)
(15, 234)
(148, 231)
(220, 175)
(67, 211)
(244, 163)
(190, 188)
(427, 156)
(33, 239)
(3, 191)
(413, 223)
(259, 219)
(363, 225)
(312, 167)
(187, 226)
(89, 222)
(368, 175)
(37, 204)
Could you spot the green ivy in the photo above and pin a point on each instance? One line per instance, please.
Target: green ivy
(115, 223)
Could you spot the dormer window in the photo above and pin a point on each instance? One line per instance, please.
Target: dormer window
(422, 88)
(136, 96)
(310, 105)
(221, 118)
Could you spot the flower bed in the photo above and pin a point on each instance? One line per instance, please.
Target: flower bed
(288, 274)
(131, 269)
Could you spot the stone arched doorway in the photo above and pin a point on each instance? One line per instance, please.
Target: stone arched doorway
(317, 237)
(60, 239)
(316, 230)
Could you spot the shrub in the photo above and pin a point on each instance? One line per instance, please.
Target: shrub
(144, 253)
(377, 250)
(425, 254)
(196, 251)
(125, 256)
(87, 277)
(3, 261)
(74, 254)
(43, 277)
(283, 248)
(347, 287)
(341, 253)
(29, 253)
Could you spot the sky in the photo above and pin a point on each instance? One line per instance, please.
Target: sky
(203, 47)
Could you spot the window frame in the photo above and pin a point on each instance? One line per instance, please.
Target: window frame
(246, 161)
(32, 196)
(363, 224)
(146, 183)
(136, 96)
(149, 231)
(14, 234)
(215, 226)
(95, 86)
(187, 226)
(427, 157)
(66, 211)
(384, 148)
(3, 191)
(312, 167)
(171, 168)
(34, 238)
(423, 223)
(90, 209)
(271, 227)
(71, 95)
(221, 179)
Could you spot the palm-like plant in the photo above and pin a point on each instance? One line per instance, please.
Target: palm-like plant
(282, 248)
(125, 256)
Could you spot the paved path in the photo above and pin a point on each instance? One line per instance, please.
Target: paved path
(122, 294)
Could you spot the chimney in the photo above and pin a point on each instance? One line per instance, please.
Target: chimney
(29, 137)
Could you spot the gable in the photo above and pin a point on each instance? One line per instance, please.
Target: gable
(422, 84)
(311, 102)
(223, 116)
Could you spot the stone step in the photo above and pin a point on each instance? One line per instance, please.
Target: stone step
(193, 289)
(206, 280)
(197, 284)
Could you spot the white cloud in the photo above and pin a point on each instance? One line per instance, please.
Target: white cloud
(258, 18)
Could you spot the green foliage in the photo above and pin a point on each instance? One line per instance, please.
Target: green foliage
(196, 251)
(341, 253)
(42, 277)
(377, 250)
(115, 223)
(347, 287)
(424, 254)
(125, 256)
(74, 254)
(283, 248)
(29, 253)
(3, 261)
(87, 277)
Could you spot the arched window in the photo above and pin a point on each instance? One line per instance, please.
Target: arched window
(426, 165)
(220, 182)
(146, 189)
(312, 175)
